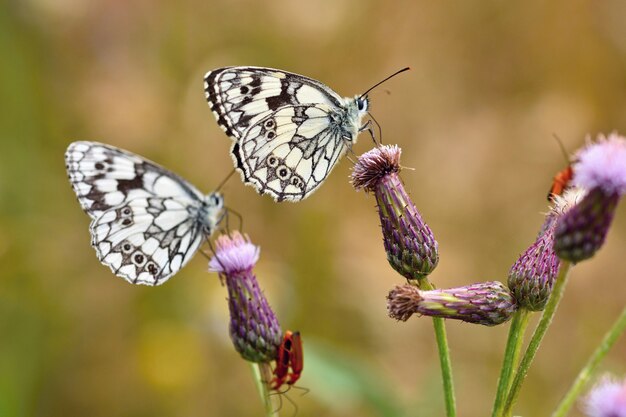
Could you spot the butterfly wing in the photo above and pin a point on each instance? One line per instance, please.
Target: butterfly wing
(146, 240)
(145, 223)
(288, 153)
(240, 96)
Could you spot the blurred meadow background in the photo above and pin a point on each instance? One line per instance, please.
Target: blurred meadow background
(491, 84)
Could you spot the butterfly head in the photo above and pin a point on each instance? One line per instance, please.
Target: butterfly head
(213, 210)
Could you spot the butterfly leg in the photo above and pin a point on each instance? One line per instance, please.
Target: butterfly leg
(367, 127)
(380, 129)
(236, 214)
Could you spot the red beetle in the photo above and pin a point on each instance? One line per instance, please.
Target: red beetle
(289, 362)
(560, 182)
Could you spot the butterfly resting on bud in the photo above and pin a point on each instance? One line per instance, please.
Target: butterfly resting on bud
(289, 130)
(147, 222)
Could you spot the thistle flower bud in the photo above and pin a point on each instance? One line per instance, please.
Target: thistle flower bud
(254, 329)
(606, 399)
(486, 303)
(410, 245)
(601, 170)
(531, 277)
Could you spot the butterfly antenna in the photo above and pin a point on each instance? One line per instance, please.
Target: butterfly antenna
(219, 187)
(386, 79)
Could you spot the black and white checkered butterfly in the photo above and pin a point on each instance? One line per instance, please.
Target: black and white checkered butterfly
(289, 131)
(147, 222)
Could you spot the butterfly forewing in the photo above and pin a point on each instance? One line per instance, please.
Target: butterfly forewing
(147, 222)
(312, 127)
(239, 96)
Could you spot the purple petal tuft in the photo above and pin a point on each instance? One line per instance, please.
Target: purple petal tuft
(375, 164)
(602, 164)
(606, 399)
(234, 254)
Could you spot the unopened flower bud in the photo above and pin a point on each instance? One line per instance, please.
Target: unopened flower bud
(486, 303)
(410, 245)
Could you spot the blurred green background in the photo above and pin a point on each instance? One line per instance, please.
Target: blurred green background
(491, 84)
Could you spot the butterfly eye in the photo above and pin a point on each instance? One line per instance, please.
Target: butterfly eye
(216, 200)
(361, 104)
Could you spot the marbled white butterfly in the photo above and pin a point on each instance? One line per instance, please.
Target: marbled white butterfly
(147, 222)
(289, 130)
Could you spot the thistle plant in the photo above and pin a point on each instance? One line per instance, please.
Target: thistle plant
(581, 221)
(254, 328)
(574, 229)
(409, 243)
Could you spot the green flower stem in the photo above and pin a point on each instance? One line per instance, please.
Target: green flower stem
(511, 357)
(535, 341)
(262, 375)
(444, 356)
(583, 377)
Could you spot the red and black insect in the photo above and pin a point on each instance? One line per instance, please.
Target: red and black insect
(289, 362)
(561, 182)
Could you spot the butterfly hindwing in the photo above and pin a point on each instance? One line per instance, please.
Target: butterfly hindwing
(146, 240)
(290, 152)
(147, 222)
(240, 96)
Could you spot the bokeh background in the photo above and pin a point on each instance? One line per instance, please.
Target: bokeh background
(491, 84)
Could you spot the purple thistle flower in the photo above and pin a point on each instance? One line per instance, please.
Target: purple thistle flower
(531, 277)
(486, 303)
(606, 399)
(410, 245)
(601, 171)
(254, 329)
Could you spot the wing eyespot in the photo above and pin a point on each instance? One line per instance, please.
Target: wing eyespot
(283, 173)
(127, 248)
(272, 161)
(139, 259)
(152, 268)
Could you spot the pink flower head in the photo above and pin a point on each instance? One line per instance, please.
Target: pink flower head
(606, 399)
(602, 164)
(233, 254)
